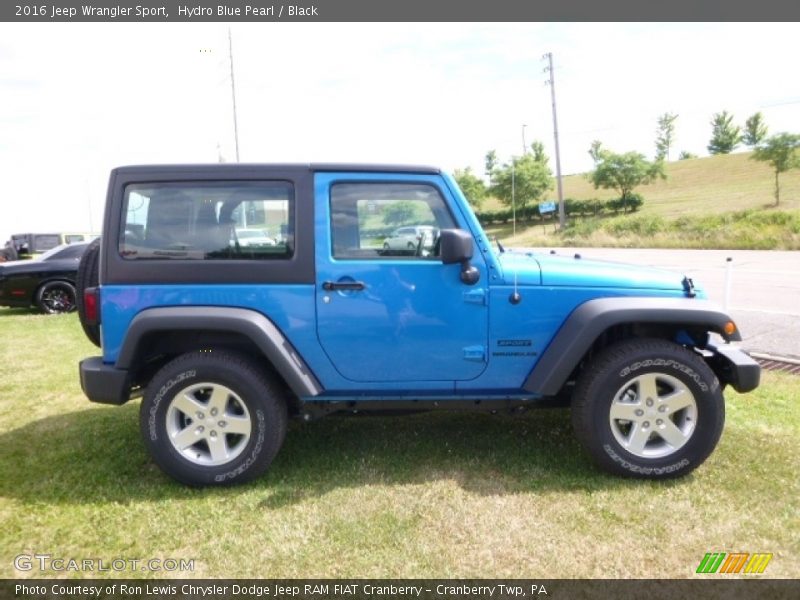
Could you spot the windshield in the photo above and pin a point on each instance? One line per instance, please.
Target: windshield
(64, 251)
(52, 252)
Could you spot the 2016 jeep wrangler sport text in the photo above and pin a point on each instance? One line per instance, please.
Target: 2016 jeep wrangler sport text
(234, 296)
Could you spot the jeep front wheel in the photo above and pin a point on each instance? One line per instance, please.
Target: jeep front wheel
(213, 418)
(648, 408)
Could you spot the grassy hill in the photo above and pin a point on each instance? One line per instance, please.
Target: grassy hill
(705, 185)
(723, 201)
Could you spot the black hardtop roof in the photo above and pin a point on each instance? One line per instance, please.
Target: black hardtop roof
(250, 167)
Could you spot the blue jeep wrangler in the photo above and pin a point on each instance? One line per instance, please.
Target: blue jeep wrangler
(234, 296)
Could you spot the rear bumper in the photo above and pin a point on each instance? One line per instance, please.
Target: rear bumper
(735, 368)
(104, 383)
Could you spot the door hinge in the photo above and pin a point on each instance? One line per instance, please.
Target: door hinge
(476, 296)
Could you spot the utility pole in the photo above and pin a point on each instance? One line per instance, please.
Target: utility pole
(524, 145)
(233, 95)
(562, 217)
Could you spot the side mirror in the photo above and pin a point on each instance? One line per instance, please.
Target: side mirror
(456, 246)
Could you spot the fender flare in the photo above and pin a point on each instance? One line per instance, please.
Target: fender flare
(589, 320)
(249, 323)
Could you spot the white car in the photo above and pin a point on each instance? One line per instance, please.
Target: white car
(407, 240)
(254, 238)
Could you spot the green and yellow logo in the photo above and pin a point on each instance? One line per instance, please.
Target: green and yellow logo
(738, 562)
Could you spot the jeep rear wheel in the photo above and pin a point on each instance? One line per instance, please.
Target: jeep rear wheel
(213, 418)
(648, 408)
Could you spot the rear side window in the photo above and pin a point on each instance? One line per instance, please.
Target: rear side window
(208, 220)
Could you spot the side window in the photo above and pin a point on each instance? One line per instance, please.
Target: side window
(197, 220)
(41, 243)
(387, 220)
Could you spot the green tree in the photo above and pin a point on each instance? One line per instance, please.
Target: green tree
(725, 136)
(399, 213)
(755, 130)
(665, 135)
(595, 150)
(490, 161)
(625, 172)
(525, 180)
(473, 187)
(782, 151)
(537, 148)
(685, 154)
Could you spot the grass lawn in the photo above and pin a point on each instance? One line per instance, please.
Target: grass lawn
(444, 495)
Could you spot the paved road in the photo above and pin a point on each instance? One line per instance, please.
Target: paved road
(764, 297)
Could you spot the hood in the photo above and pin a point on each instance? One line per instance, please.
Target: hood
(10, 267)
(569, 271)
(22, 267)
(10, 264)
(522, 266)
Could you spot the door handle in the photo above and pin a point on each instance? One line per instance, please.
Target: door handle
(330, 286)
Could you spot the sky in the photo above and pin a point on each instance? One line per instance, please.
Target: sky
(78, 99)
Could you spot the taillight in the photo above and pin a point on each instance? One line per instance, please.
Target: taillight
(91, 306)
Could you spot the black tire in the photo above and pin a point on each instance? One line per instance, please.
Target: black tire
(191, 408)
(56, 297)
(88, 277)
(648, 408)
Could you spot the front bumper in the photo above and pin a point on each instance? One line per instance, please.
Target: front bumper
(104, 383)
(735, 368)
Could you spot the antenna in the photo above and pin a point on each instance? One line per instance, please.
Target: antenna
(514, 298)
(513, 197)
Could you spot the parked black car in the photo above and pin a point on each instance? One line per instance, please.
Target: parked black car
(47, 282)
